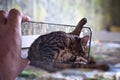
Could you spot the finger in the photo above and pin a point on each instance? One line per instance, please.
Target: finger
(14, 18)
(25, 18)
(3, 17)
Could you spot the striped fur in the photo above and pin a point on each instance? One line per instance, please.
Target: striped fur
(58, 47)
(49, 51)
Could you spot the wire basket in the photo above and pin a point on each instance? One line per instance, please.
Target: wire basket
(40, 28)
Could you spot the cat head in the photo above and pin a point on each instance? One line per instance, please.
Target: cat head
(78, 45)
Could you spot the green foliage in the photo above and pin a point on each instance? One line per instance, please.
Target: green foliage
(100, 13)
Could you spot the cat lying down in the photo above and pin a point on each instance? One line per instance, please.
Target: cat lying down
(59, 50)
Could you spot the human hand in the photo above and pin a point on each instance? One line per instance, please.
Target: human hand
(11, 63)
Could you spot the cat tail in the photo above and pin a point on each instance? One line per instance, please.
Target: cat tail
(79, 27)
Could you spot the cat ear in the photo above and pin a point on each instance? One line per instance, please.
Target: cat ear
(85, 39)
(79, 27)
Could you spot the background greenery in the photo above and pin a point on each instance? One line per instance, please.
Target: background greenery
(100, 13)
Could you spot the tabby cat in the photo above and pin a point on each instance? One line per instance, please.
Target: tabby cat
(49, 51)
